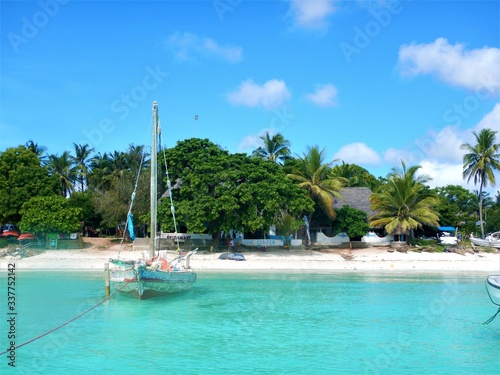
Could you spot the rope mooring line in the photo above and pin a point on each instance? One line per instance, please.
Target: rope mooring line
(493, 317)
(69, 321)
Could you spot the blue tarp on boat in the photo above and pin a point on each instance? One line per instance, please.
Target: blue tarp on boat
(446, 229)
(130, 226)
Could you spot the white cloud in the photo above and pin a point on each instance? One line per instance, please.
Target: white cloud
(476, 69)
(439, 154)
(188, 46)
(311, 13)
(440, 147)
(393, 156)
(270, 95)
(358, 153)
(491, 121)
(253, 141)
(442, 174)
(443, 146)
(324, 96)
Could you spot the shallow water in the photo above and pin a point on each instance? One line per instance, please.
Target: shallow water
(283, 323)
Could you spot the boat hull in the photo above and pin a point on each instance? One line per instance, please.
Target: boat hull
(485, 243)
(144, 283)
(493, 288)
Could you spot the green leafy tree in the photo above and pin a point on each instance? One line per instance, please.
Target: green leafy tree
(458, 207)
(480, 163)
(492, 219)
(351, 221)
(85, 202)
(49, 214)
(22, 177)
(287, 224)
(113, 178)
(114, 203)
(404, 203)
(275, 148)
(314, 176)
(492, 215)
(217, 191)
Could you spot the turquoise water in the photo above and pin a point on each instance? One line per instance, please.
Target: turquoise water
(285, 323)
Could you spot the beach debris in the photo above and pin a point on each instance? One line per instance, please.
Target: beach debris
(347, 256)
(19, 253)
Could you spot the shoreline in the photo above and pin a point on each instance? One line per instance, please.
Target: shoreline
(308, 261)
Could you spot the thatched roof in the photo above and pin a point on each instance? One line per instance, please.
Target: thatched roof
(355, 197)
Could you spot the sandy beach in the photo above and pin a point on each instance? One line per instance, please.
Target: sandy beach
(98, 253)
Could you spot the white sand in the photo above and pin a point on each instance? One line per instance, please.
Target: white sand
(95, 257)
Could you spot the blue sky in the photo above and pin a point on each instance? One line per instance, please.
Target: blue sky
(372, 82)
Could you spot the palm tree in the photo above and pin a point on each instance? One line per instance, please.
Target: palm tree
(81, 161)
(38, 150)
(355, 176)
(99, 169)
(136, 157)
(106, 168)
(313, 175)
(62, 167)
(480, 163)
(404, 203)
(276, 148)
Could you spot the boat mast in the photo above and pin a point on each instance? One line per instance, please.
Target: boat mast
(154, 177)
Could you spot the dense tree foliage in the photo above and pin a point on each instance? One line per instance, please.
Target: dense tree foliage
(214, 190)
(351, 221)
(88, 216)
(113, 203)
(457, 207)
(217, 191)
(49, 214)
(22, 177)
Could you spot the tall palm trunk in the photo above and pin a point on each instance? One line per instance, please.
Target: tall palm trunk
(481, 206)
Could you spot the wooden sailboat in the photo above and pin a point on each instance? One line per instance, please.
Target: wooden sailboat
(145, 278)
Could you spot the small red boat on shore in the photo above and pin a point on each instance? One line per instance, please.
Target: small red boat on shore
(9, 230)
